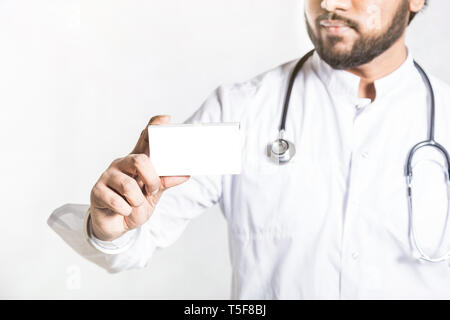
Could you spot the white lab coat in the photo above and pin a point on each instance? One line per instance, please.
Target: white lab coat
(332, 223)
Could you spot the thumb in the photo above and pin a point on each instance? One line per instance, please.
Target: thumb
(142, 144)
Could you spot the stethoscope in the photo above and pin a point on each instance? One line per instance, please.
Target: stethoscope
(283, 150)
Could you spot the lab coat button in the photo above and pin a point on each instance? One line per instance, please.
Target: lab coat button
(365, 155)
(355, 255)
(359, 106)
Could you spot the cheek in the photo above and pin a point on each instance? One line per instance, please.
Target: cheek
(312, 10)
(373, 21)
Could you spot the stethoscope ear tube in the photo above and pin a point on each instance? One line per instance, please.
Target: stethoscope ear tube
(418, 253)
(426, 143)
(282, 150)
(292, 78)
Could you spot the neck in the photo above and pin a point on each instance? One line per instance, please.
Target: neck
(381, 66)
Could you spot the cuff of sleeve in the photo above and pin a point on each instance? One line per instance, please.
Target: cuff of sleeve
(119, 245)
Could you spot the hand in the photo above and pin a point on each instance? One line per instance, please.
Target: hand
(127, 192)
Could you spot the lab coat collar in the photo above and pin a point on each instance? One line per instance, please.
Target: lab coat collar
(344, 83)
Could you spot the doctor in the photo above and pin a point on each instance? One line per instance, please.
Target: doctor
(333, 223)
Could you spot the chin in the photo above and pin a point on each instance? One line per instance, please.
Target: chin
(338, 49)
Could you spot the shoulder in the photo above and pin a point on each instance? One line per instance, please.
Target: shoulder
(230, 101)
(239, 97)
(266, 78)
(441, 87)
(441, 91)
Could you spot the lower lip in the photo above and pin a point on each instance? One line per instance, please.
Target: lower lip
(336, 30)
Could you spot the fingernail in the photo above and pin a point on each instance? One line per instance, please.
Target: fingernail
(155, 192)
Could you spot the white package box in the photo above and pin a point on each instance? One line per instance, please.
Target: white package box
(196, 149)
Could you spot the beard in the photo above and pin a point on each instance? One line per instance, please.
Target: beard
(365, 48)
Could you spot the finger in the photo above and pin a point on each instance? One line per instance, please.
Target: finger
(105, 198)
(106, 225)
(139, 182)
(142, 144)
(140, 164)
(171, 181)
(126, 186)
(166, 181)
(138, 217)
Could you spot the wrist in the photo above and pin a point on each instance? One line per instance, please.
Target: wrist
(116, 246)
(99, 234)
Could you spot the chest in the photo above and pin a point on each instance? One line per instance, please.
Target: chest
(344, 156)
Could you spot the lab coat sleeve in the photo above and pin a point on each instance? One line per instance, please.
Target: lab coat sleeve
(177, 206)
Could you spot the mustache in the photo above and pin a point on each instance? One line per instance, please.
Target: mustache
(335, 16)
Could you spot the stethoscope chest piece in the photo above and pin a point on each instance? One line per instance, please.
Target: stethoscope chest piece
(282, 151)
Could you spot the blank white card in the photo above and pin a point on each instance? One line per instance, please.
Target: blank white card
(195, 149)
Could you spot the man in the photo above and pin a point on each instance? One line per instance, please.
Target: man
(333, 222)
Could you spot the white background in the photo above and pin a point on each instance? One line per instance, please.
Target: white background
(79, 79)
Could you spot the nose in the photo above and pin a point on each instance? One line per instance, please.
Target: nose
(334, 5)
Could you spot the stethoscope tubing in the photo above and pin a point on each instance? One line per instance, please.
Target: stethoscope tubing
(282, 157)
